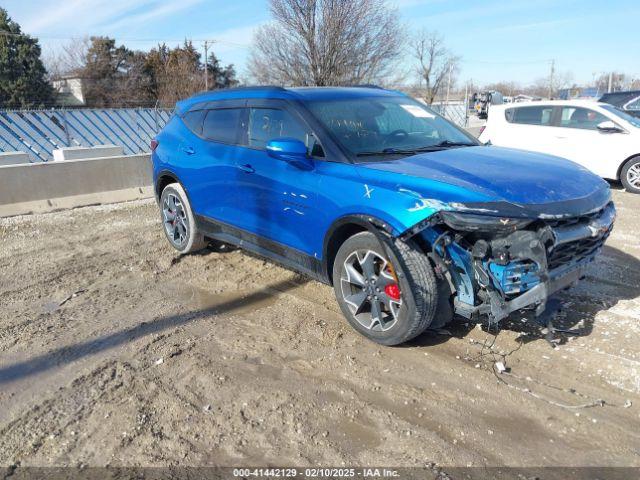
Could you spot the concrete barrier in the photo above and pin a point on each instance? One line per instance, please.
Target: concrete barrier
(45, 187)
(84, 153)
(14, 158)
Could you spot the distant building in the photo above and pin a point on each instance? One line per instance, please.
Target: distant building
(69, 91)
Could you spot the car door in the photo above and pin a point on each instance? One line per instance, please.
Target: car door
(581, 141)
(212, 156)
(527, 128)
(278, 199)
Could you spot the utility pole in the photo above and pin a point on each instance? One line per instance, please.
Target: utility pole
(466, 104)
(448, 87)
(206, 66)
(610, 82)
(551, 74)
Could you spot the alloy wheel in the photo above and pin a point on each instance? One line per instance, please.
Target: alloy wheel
(370, 290)
(175, 220)
(633, 175)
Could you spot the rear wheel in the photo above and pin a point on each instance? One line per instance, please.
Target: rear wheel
(388, 295)
(630, 175)
(178, 222)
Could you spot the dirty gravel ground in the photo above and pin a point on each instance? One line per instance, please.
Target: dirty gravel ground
(115, 351)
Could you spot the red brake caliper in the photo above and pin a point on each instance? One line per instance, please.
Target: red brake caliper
(393, 291)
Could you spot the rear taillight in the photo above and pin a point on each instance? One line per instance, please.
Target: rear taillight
(154, 144)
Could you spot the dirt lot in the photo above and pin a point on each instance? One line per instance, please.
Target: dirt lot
(115, 351)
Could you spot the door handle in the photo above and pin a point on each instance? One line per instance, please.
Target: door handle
(188, 150)
(247, 168)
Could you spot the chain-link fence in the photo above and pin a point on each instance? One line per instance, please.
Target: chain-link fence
(454, 112)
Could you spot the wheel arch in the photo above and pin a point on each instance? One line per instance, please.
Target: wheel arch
(164, 178)
(341, 230)
(623, 163)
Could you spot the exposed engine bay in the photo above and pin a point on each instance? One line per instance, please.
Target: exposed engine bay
(499, 265)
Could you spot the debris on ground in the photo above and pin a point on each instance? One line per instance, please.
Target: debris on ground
(225, 340)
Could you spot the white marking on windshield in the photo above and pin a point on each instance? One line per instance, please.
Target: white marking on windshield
(417, 111)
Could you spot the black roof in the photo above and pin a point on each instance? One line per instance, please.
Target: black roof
(619, 98)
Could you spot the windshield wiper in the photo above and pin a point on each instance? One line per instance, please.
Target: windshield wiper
(386, 151)
(412, 151)
(449, 143)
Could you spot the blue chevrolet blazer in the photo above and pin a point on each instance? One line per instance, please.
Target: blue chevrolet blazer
(408, 217)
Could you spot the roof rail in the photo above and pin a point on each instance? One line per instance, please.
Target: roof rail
(366, 85)
(239, 89)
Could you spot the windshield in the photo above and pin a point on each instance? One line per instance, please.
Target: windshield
(387, 126)
(622, 114)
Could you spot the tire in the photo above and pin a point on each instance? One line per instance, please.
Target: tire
(178, 223)
(395, 321)
(630, 175)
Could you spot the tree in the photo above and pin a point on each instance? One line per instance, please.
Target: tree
(507, 88)
(70, 59)
(544, 86)
(219, 76)
(436, 64)
(326, 42)
(618, 82)
(177, 73)
(105, 66)
(23, 78)
(115, 76)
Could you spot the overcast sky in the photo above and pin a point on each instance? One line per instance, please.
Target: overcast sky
(497, 39)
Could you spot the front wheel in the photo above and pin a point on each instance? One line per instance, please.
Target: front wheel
(630, 175)
(389, 295)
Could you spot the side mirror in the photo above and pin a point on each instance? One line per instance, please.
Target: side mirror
(290, 150)
(609, 127)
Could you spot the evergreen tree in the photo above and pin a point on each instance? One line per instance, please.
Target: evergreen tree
(104, 71)
(23, 78)
(223, 77)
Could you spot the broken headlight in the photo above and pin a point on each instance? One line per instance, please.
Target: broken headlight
(470, 222)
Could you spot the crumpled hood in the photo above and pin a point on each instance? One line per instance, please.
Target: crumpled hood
(498, 174)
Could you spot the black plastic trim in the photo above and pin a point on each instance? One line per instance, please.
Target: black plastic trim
(163, 173)
(288, 257)
(372, 224)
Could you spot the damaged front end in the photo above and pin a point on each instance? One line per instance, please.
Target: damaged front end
(498, 265)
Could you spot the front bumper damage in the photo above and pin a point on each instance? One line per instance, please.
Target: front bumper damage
(495, 274)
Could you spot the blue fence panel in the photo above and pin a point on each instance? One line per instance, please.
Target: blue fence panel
(39, 132)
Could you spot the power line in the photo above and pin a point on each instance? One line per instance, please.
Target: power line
(209, 41)
(516, 62)
(129, 39)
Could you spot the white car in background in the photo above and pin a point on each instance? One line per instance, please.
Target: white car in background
(598, 136)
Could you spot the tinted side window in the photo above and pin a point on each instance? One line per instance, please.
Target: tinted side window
(529, 115)
(581, 118)
(265, 124)
(222, 125)
(193, 121)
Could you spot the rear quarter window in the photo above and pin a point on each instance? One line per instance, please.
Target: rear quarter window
(193, 120)
(529, 115)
